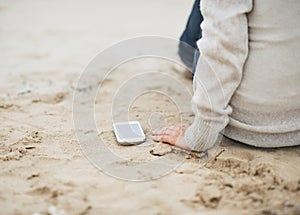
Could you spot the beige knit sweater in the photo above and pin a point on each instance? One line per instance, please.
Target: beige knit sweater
(247, 82)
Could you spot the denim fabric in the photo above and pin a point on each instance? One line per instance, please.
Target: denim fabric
(188, 50)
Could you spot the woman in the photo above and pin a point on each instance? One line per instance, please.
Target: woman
(247, 80)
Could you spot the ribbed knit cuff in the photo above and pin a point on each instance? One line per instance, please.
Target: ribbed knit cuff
(201, 136)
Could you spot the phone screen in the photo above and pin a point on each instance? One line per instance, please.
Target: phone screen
(128, 131)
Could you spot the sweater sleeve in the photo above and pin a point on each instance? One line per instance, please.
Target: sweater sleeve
(224, 49)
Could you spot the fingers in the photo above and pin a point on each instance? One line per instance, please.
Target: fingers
(165, 138)
(170, 130)
(168, 134)
(172, 135)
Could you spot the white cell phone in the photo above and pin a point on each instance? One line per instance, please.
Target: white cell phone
(129, 133)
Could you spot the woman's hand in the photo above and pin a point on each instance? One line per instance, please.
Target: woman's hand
(174, 135)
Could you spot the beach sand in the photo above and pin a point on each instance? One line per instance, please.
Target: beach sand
(45, 46)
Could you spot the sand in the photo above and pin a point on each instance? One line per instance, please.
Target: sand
(45, 47)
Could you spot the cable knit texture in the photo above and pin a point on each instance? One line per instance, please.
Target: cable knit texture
(236, 82)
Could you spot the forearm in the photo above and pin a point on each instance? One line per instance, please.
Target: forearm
(224, 49)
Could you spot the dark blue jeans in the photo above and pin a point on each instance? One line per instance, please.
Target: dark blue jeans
(188, 50)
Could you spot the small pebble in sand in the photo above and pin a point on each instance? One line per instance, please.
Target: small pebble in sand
(34, 175)
(30, 147)
(161, 150)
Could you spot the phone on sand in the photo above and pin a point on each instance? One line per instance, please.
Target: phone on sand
(129, 133)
